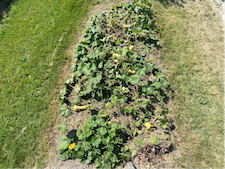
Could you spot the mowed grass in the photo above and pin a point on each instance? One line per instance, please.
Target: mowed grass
(193, 49)
(33, 39)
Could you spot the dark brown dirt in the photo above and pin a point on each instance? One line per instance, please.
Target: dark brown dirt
(153, 155)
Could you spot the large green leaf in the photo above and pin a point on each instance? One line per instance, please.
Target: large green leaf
(87, 145)
(97, 142)
(114, 126)
(140, 141)
(110, 147)
(80, 153)
(95, 29)
(113, 99)
(165, 112)
(107, 154)
(95, 79)
(124, 149)
(63, 107)
(90, 157)
(113, 158)
(143, 72)
(63, 127)
(154, 140)
(100, 121)
(76, 101)
(86, 133)
(145, 102)
(102, 130)
(93, 67)
(166, 84)
(147, 89)
(64, 143)
(127, 156)
(122, 98)
(85, 69)
(111, 133)
(108, 65)
(100, 65)
(134, 79)
(64, 156)
(106, 140)
(64, 111)
(67, 112)
(78, 133)
(106, 164)
(157, 85)
(125, 78)
(91, 124)
(98, 162)
(124, 51)
(161, 76)
(62, 93)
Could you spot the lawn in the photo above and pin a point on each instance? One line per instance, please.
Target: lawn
(194, 52)
(29, 66)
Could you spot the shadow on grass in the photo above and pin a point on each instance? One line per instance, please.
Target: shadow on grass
(179, 3)
(5, 7)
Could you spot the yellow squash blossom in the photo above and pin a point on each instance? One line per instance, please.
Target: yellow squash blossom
(71, 146)
(148, 125)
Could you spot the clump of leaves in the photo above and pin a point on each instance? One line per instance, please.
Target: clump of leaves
(99, 142)
(140, 141)
(154, 140)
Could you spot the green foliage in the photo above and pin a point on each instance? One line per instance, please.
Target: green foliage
(63, 127)
(76, 102)
(64, 143)
(110, 69)
(147, 89)
(91, 64)
(154, 140)
(162, 121)
(64, 111)
(140, 142)
(100, 142)
(131, 111)
(108, 106)
(134, 79)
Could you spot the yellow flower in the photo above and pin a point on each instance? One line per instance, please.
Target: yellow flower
(71, 146)
(148, 125)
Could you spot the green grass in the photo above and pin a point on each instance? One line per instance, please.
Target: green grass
(28, 37)
(194, 53)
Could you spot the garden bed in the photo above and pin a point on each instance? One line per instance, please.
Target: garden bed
(115, 102)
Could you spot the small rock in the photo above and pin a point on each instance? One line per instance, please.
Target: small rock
(130, 165)
(136, 160)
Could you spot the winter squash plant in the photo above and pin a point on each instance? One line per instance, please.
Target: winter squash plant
(112, 66)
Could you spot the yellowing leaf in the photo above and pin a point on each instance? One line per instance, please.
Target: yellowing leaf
(104, 115)
(115, 120)
(131, 47)
(148, 125)
(126, 26)
(116, 55)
